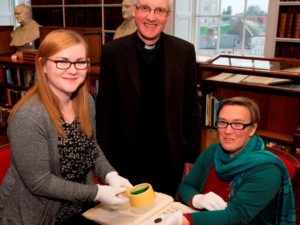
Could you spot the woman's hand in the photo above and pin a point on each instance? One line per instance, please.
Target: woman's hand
(209, 201)
(115, 180)
(111, 195)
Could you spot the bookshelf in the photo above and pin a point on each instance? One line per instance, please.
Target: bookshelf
(285, 31)
(106, 14)
(5, 39)
(279, 104)
(16, 77)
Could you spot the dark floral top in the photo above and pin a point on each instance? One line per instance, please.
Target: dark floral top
(77, 153)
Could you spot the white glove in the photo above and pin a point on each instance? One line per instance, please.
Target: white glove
(209, 201)
(113, 179)
(166, 219)
(173, 219)
(111, 195)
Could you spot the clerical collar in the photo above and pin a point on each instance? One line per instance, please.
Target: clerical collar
(149, 47)
(145, 47)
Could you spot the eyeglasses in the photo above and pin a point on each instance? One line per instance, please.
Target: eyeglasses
(65, 64)
(235, 125)
(146, 9)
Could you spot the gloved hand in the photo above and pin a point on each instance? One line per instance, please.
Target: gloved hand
(111, 195)
(113, 179)
(166, 219)
(173, 219)
(209, 201)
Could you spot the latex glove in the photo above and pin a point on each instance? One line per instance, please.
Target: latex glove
(209, 201)
(113, 179)
(173, 219)
(166, 219)
(111, 195)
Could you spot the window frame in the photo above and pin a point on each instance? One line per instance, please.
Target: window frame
(192, 16)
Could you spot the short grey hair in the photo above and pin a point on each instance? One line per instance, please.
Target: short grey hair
(249, 103)
(136, 1)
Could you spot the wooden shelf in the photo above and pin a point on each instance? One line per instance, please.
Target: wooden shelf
(275, 136)
(106, 14)
(287, 40)
(290, 40)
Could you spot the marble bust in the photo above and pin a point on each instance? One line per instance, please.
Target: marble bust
(128, 26)
(28, 30)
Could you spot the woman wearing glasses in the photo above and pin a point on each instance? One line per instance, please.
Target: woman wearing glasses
(237, 181)
(53, 147)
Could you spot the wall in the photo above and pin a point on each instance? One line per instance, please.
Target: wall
(7, 12)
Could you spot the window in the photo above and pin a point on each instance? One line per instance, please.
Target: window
(223, 26)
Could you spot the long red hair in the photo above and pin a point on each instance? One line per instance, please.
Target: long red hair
(53, 43)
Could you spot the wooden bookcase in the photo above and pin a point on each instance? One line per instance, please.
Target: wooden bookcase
(106, 14)
(5, 39)
(285, 31)
(16, 77)
(279, 104)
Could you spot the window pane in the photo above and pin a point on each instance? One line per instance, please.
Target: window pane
(183, 28)
(207, 7)
(232, 7)
(207, 34)
(255, 36)
(257, 7)
(231, 35)
(225, 26)
(183, 20)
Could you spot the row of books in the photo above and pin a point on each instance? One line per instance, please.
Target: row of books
(17, 76)
(289, 25)
(212, 104)
(59, 2)
(93, 86)
(4, 114)
(287, 50)
(93, 2)
(90, 16)
(13, 96)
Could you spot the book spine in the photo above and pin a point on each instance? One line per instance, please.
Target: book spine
(2, 72)
(282, 25)
(297, 26)
(289, 25)
(4, 114)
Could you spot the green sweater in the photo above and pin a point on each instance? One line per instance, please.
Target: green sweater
(255, 202)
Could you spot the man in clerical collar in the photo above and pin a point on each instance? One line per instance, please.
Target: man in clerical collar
(148, 119)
